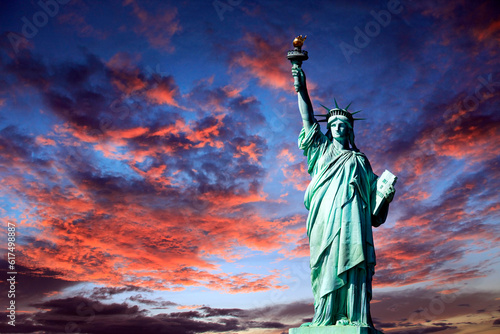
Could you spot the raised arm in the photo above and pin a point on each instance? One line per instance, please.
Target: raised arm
(305, 105)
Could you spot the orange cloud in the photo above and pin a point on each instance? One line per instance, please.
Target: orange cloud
(265, 62)
(40, 140)
(470, 142)
(297, 176)
(207, 135)
(420, 195)
(231, 91)
(93, 229)
(251, 150)
(127, 133)
(461, 137)
(163, 93)
(286, 155)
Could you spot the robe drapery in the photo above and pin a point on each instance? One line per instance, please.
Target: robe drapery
(339, 226)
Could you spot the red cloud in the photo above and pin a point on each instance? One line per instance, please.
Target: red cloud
(130, 80)
(286, 155)
(470, 142)
(462, 136)
(163, 92)
(251, 150)
(127, 133)
(45, 141)
(91, 229)
(125, 75)
(297, 175)
(207, 135)
(491, 32)
(266, 61)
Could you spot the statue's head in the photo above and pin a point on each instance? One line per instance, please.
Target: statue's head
(340, 124)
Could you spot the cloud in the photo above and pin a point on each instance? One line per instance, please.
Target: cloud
(107, 292)
(296, 175)
(410, 310)
(130, 80)
(33, 284)
(458, 17)
(91, 316)
(427, 310)
(428, 239)
(264, 62)
(125, 75)
(163, 92)
(194, 180)
(29, 69)
(80, 24)
(154, 304)
(158, 28)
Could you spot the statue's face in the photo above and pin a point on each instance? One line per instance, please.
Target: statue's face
(339, 127)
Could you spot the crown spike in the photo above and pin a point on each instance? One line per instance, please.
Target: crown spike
(359, 119)
(353, 113)
(348, 106)
(336, 105)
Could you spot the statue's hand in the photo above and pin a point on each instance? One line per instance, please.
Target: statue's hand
(299, 78)
(389, 196)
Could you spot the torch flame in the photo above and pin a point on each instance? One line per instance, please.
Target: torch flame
(299, 41)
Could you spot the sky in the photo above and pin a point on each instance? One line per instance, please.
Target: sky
(149, 161)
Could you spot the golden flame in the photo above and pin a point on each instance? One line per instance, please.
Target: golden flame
(299, 41)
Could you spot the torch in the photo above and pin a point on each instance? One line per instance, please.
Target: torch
(297, 55)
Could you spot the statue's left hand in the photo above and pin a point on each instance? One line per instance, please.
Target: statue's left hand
(389, 196)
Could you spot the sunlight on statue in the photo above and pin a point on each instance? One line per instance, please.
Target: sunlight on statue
(345, 199)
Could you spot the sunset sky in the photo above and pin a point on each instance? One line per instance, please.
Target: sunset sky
(149, 160)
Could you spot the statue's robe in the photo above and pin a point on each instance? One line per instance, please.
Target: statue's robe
(340, 199)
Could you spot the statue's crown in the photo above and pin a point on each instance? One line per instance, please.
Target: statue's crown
(339, 112)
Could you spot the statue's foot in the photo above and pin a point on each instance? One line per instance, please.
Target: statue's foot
(306, 324)
(342, 322)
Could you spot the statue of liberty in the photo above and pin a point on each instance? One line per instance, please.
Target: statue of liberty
(343, 207)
